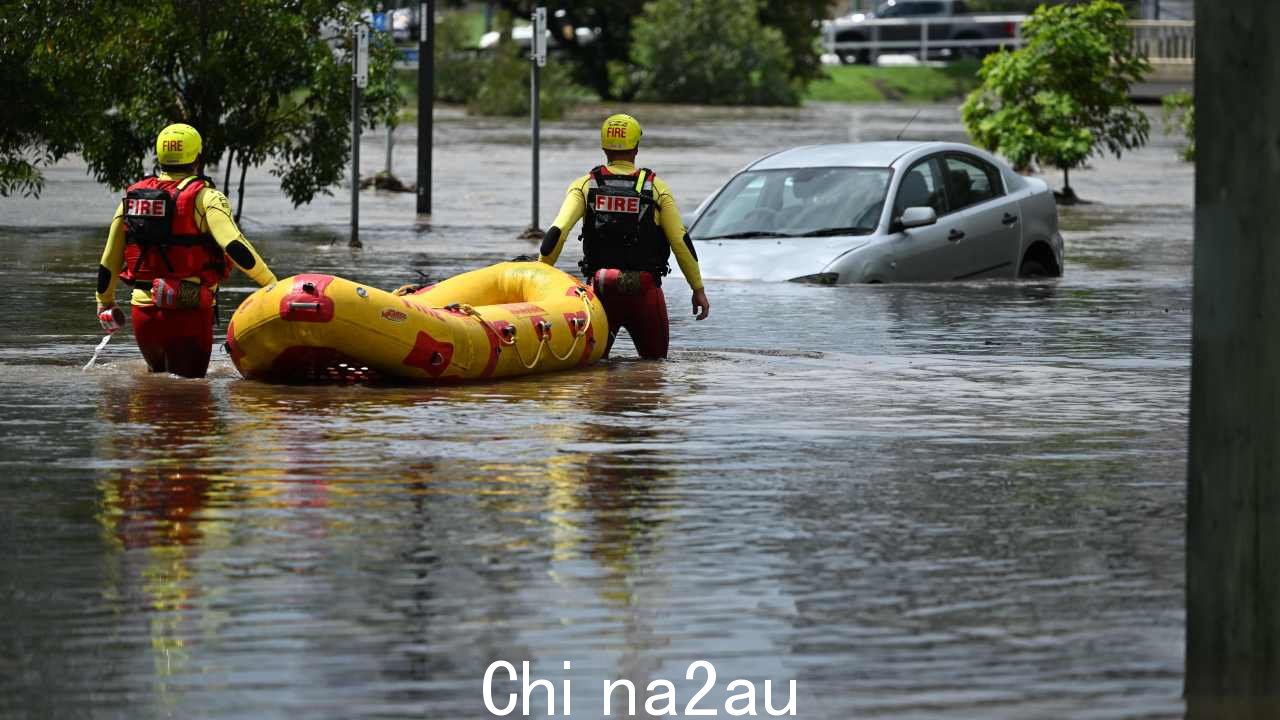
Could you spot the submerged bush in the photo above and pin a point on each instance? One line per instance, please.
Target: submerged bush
(706, 51)
(1180, 118)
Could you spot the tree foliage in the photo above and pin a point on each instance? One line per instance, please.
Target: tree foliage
(258, 78)
(707, 51)
(1064, 96)
(799, 21)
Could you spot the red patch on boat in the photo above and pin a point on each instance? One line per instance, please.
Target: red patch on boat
(429, 355)
(307, 301)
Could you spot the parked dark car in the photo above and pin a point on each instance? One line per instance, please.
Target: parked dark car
(895, 26)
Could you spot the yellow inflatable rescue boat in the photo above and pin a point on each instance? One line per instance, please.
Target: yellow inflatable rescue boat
(513, 318)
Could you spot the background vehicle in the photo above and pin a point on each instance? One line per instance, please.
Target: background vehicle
(879, 212)
(927, 28)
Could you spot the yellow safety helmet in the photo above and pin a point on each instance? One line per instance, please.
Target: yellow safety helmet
(178, 144)
(620, 132)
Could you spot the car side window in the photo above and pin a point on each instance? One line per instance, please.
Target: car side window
(921, 186)
(971, 181)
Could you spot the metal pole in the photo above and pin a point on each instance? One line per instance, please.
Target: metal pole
(426, 101)
(537, 57)
(355, 164)
(535, 105)
(1233, 468)
(391, 131)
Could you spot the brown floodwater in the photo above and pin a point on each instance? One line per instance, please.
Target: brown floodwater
(956, 500)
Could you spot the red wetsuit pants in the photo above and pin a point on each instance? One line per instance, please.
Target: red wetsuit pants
(634, 300)
(176, 341)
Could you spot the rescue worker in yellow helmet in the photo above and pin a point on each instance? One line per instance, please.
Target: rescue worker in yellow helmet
(630, 230)
(172, 240)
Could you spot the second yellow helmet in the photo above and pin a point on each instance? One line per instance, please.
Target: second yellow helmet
(620, 132)
(178, 144)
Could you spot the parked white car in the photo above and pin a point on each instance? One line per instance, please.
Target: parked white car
(879, 212)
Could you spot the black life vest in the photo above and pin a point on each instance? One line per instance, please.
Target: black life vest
(620, 229)
(161, 235)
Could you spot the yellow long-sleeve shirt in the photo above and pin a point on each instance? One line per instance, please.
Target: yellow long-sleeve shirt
(213, 216)
(666, 215)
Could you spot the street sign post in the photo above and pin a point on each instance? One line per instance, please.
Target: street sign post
(359, 81)
(539, 59)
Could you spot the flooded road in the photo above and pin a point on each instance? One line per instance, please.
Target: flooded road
(959, 500)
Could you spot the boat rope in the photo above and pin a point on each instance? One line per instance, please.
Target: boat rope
(507, 335)
(586, 304)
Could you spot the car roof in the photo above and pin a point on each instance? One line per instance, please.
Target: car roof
(866, 154)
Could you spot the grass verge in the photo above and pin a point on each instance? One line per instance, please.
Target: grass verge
(861, 83)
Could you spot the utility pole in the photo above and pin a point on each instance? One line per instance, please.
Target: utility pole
(1233, 471)
(426, 100)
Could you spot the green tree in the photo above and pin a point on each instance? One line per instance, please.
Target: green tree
(263, 81)
(799, 21)
(1064, 96)
(707, 51)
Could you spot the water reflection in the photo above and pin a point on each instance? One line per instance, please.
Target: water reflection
(160, 481)
(157, 488)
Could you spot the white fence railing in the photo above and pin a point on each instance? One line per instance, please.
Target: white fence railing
(925, 37)
(1161, 41)
(1165, 41)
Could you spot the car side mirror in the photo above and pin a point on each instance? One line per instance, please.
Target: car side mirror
(914, 217)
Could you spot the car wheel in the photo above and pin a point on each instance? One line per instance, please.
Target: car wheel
(1032, 268)
(854, 57)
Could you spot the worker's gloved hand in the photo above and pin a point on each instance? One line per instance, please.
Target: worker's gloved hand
(406, 289)
(111, 318)
(701, 306)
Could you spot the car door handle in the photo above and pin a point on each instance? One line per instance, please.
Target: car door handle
(955, 235)
(1009, 219)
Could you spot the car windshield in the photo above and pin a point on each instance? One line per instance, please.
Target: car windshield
(798, 202)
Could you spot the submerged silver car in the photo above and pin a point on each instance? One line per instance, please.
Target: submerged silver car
(879, 212)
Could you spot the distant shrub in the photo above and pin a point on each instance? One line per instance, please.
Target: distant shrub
(504, 89)
(706, 51)
(459, 68)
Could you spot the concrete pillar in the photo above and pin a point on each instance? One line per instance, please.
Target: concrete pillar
(1233, 509)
